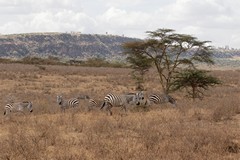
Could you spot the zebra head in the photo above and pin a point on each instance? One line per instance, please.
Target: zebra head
(139, 98)
(59, 100)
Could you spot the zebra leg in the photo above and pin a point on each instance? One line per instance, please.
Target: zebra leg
(6, 112)
(109, 106)
(88, 108)
(125, 109)
(103, 104)
(110, 112)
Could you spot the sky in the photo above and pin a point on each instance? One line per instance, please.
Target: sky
(212, 20)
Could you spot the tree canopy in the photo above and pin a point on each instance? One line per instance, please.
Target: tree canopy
(168, 51)
(194, 81)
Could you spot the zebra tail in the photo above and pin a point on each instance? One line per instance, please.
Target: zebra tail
(103, 104)
(4, 112)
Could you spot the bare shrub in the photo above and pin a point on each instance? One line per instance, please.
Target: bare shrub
(232, 146)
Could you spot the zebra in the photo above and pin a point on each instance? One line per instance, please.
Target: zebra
(18, 107)
(91, 102)
(113, 100)
(65, 104)
(133, 97)
(161, 98)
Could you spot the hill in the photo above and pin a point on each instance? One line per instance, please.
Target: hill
(64, 45)
(80, 46)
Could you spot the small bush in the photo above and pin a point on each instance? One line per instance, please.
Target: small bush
(233, 146)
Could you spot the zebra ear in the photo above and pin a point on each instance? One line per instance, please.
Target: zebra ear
(59, 96)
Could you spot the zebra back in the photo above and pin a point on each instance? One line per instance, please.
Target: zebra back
(163, 98)
(112, 100)
(92, 103)
(115, 100)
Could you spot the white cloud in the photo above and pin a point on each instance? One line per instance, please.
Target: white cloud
(118, 17)
(215, 20)
(117, 21)
(119, 3)
(62, 21)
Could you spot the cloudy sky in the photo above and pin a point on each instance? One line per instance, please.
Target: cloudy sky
(214, 20)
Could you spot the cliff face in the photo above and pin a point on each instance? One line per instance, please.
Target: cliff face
(74, 45)
(62, 45)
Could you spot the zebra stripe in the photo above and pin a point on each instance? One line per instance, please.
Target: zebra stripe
(18, 107)
(160, 99)
(113, 100)
(92, 103)
(65, 104)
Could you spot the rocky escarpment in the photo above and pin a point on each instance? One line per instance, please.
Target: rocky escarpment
(63, 45)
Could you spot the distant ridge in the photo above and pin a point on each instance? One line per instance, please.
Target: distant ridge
(74, 45)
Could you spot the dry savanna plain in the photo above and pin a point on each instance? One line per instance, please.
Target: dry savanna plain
(204, 129)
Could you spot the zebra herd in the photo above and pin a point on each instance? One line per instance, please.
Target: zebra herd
(109, 101)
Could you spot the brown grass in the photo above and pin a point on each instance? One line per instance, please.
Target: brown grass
(208, 129)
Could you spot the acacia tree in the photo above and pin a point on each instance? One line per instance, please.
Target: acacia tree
(168, 51)
(195, 82)
(140, 65)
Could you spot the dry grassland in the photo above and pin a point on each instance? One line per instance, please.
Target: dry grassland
(208, 129)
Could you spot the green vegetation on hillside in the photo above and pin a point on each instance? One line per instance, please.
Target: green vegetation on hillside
(90, 62)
